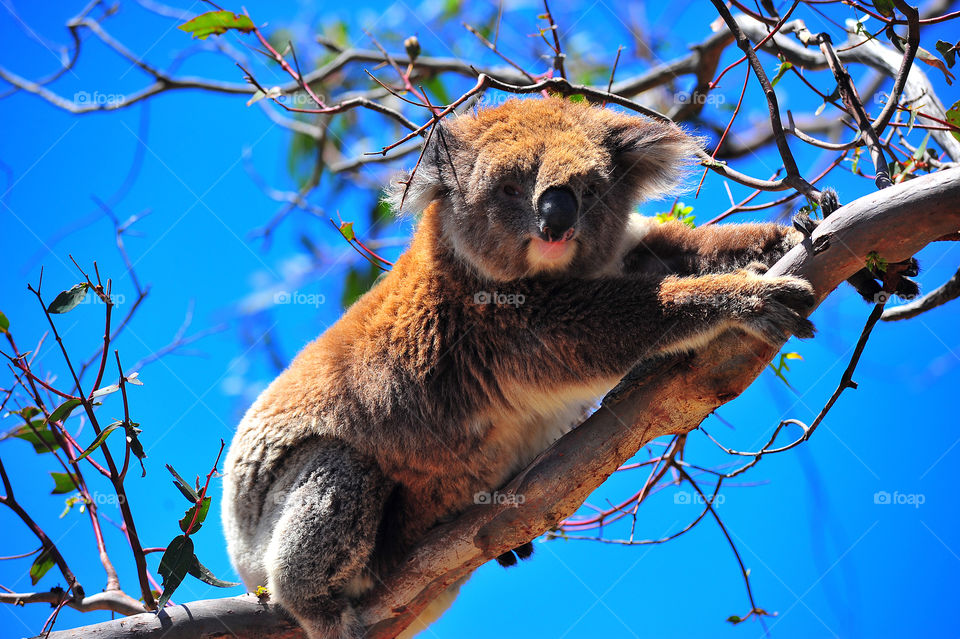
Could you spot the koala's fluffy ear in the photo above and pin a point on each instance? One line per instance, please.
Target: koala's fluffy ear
(432, 179)
(649, 156)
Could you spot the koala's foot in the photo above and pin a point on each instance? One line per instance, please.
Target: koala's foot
(778, 307)
(509, 558)
(804, 223)
(864, 281)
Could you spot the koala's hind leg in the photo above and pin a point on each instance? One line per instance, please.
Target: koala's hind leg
(321, 545)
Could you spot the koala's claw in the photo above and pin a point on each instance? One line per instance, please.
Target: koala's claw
(509, 558)
(784, 303)
(804, 223)
(829, 201)
(525, 551)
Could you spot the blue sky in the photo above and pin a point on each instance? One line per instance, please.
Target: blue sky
(822, 553)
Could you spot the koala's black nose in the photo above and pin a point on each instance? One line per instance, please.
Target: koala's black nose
(558, 213)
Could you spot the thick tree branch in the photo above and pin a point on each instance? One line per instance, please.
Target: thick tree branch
(668, 396)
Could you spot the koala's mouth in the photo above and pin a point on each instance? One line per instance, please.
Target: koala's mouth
(543, 255)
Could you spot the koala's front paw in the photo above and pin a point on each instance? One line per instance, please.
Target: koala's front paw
(780, 308)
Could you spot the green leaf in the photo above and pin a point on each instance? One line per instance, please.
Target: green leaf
(913, 118)
(948, 51)
(4, 324)
(783, 367)
(174, 565)
(734, 619)
(346, 229)
(925, 56)
(102, 437)
(680, 213)
(922, 149)
(27, 412)
(783, 68)
(953, 117)
(201, 515)
(884, 7)
(63, 483)
(200, 571)
(876, 263)
(69, 503)
(43, 440)
(68, 300)
(216, 23)
(437, 91)
(41, 565)
(382, 213)
(359, 280)
(63, 410)
(184, 487)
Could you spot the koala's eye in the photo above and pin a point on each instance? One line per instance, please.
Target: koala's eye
(592, 190)
(510, 189)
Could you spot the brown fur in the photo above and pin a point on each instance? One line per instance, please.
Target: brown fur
(437, 394)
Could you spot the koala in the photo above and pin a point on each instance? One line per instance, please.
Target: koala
(530, 288)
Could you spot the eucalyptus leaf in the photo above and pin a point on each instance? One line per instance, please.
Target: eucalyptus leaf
(201, 572)
(99, 439)
(63, 483)
(174, 565)
(216, 23)
(41, 565)
(68, 300)
(63, 410)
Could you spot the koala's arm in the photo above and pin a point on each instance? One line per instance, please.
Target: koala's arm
(674, 247)
(602, 334)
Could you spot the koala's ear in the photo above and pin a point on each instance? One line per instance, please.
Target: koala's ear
(651, 157)
(433, 178)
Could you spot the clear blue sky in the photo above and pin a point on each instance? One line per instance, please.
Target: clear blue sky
(822, 554)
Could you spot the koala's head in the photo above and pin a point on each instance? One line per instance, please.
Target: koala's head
(543, 185)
